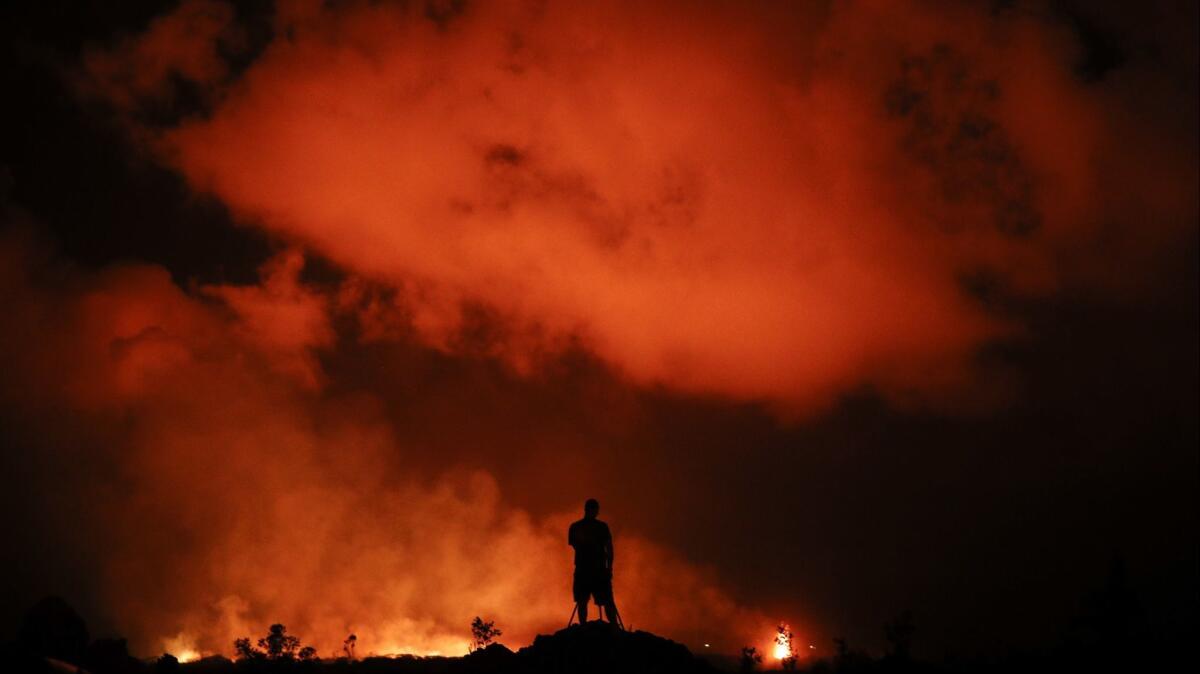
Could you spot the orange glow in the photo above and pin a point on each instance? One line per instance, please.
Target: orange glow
(288, 505)
(783, 643)
(445, 647)
(808, 235)
(581, 184)
(710, 200)
(183, 647)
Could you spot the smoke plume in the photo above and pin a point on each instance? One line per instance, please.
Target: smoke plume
(773, 204)
(767, 203)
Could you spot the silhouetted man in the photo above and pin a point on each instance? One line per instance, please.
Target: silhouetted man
(593, 562)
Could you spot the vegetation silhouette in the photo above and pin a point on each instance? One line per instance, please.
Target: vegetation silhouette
(785, 640)
(750, 659)
(1109, 636)
(110, 655)
(276, 645)
(166, 664)
(899, 634)
(483, 633)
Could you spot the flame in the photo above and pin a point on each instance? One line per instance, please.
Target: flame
(781, 648)
(446, 647)
(783, 643)
(182, 646)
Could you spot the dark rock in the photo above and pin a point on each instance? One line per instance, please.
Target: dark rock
(111, 656)
(167, 664)
(53, 629)
(600, 648)
(494, 659)
(492, 652)
(209, 663)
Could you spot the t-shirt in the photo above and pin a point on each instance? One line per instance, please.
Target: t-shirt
(591, 540)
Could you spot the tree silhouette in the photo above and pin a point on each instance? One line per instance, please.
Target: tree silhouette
(750, 659)
(244, 651)
(276, 645)
(784, 637)
(279, 644)
(846, 659)
(483, 633)
(899, 633)
(1110, 628)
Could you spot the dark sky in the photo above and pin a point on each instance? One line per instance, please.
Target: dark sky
(240, 332)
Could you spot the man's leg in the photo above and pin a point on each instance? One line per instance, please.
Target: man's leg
(604, 597)
(580, 592)
(610, 612)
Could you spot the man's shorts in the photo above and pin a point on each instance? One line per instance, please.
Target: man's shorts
(592, 583)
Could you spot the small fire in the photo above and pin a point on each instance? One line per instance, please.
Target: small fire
(783, 642)
(781, 649)
(182, 646)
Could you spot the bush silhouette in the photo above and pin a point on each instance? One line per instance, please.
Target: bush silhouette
(110, 655)
(167, 664)
(750, 659)
(242, 650)
(899, 633)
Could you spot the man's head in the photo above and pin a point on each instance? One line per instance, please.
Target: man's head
(591, 508)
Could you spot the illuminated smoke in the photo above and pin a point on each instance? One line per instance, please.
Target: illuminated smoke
(777, 205)
(234, 494)
(770, 203)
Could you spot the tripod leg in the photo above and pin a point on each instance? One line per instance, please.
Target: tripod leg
(572, 618)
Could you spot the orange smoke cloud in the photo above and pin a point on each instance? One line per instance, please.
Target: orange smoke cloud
(243, 496)
(764, 203)
(777, 204)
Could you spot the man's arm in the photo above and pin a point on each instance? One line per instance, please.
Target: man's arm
(608, 547)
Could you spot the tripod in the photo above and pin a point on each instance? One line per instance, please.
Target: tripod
(610, 610)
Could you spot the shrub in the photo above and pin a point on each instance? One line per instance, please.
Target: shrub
(750, 659)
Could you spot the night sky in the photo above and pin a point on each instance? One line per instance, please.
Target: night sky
(334, 314)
